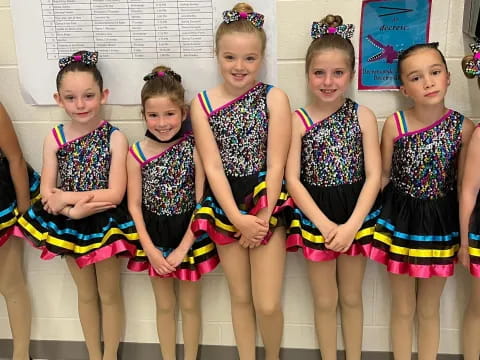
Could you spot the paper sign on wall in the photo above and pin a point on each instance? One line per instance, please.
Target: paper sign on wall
(387, 28)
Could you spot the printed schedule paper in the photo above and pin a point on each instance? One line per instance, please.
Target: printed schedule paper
(131, 37)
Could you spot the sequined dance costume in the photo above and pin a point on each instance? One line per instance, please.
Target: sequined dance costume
(474, 238)
(333, 173)
(168, 202)
(240, 128)
(83, 165)
(417, 230)
(8, 199)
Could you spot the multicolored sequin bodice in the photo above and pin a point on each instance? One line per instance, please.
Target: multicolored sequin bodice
(241, 131)
(424, 162)
(168, 180)
(84, 163)
(332, 151)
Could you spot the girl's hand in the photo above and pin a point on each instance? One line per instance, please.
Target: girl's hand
(251, 228)
(464, 256)
(158, 262)
(343, 238)
(85, 208)
(176, 257)
(328, 231)
(54, 202)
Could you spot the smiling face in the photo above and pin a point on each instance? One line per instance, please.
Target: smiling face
(81, 97)
(424, 77)
(329, 75)
(239, 58)
(163, 117)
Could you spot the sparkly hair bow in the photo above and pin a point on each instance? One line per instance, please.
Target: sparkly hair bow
(255, 18)
(86, 57)
(160, 74)
(321, 29)
(472, 67)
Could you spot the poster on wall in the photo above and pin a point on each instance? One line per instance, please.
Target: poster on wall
(131, 37)
(387, 28)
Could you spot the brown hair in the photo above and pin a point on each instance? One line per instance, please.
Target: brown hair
(330, 41)
(414, 48)
(242, 26)
(163, 81)
(79, 66)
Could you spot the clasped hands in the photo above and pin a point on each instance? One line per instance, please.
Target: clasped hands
(59, 202)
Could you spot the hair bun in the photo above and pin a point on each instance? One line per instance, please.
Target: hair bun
(243, 7)
(332, 20)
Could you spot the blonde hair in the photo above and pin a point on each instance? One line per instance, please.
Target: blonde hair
(242, 26)
(168, 84)
(330, 41)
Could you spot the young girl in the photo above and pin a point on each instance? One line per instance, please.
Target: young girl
(242, 132)
(165, 180)
(469, 253)
(333, 175)
(83, 218)
(19, 185)
(416, 234)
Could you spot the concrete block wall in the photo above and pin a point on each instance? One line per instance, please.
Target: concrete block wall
(53, 291)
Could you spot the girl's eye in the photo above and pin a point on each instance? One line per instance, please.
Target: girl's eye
(90, 96)
(318, 73)
(338, 73)
(251, 58)
(69, 97)
(436, 72)
(229, 57)
(415, 78)
(171, 114)
(152, 115)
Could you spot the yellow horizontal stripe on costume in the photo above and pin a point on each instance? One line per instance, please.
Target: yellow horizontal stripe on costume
(72, 246)
(259, 187)
(283, 196)
(383, 238)
(35, 199)
(400, 250)
(365, 232)
(8, 224)
(424, 253)
(474, 251)
(318, 239)
(199, 252)
(218, 223)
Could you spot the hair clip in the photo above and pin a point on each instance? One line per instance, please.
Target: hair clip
(86, 57)
(232, 15)
(322, 29)
(160, 74)
(472, 67)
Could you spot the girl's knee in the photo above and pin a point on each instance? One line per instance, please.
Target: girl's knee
(267, 308)
(351, 300)
(403, 310)
(325, 304)
(110, 296)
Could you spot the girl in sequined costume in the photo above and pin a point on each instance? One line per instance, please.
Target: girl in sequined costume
(416, 235)
(333, 175)
(84, 218)
(165, 181)
(242, 132)
(469, 253)
(19, 185)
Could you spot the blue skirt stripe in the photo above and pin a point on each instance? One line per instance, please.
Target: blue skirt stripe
(401, 235)
(79, 236)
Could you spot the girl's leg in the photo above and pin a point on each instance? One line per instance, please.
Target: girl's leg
(428, 312)
(267, 265)
(402, 315)
(111, 300)
(88, 308)
(164, 291)
(323, 281)
(350, 271)
(191, 317)
(471, 323)
(13, 288)
(236, 266)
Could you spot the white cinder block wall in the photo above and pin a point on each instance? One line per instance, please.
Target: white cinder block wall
(53, 291)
